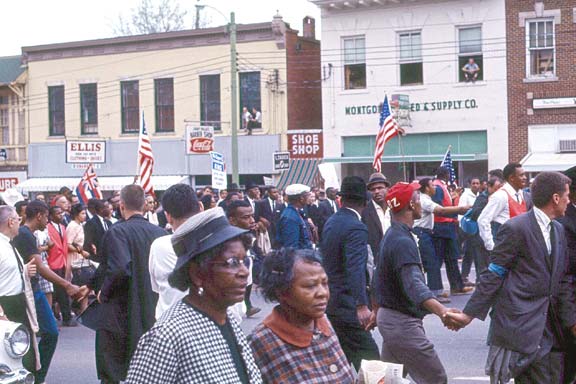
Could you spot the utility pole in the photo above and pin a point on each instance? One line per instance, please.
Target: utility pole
(234, 98)
(197, 21)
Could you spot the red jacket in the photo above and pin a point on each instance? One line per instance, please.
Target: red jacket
(58, 254)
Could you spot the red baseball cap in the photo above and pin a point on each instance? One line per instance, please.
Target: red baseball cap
(399, 196)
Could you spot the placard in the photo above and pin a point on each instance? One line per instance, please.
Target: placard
(199, 139)
(85, 151)
(281, 161)
(219, 179)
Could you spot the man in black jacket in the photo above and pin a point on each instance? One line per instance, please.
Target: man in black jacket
(376, 216)
(95, 228)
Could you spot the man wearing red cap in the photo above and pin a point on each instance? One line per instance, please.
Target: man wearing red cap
(401, 293)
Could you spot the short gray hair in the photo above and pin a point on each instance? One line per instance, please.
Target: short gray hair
(5, 212)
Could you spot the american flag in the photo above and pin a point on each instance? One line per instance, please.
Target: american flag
(388, 129)
(447, 163)
(145, 160)
(88, 188)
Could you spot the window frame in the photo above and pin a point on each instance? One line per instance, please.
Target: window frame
(125, 108)
(217, 124)
(161, 109)
(52, 111)
(243, 102)
(83, 124)
(413, 60)
(355, 62)
(467, 55)
(529, 50)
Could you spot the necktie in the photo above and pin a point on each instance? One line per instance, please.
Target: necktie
(20, 266)
(517, 197)
(552, 237)
(333, 206)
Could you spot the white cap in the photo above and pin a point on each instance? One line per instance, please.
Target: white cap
(297, 189)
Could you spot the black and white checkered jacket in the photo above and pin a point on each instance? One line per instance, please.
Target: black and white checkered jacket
(186, 347)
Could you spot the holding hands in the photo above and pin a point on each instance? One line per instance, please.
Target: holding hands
(455, 319)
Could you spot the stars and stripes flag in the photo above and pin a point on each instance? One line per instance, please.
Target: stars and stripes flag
(388, 129)
(88, 188)
(145, 160)
(447, 163)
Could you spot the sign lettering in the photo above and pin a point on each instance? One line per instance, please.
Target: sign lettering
(85, 152)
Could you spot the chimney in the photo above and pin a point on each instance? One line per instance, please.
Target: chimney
(309, 28)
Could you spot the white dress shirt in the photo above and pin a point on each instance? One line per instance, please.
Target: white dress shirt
(496, 210)
(11, 282)
(428, 207)
(467, 199)
(544, 223)
(384, 217)
(161, 264)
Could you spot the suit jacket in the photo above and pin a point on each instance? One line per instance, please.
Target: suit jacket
(345, 254)
(569, 223)
(536, 287)
(265, 210)
(93, 233)
(372, 221)
(58, 254)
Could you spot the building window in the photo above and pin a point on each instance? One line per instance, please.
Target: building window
(4, 100)
(56, 110)
(130, 106)
(540, 48)
(89, 108)
(250, 101)
(164, 103)
(210, 101)
(4, 127)
(470, 58)
(354, 62)
(411, 58)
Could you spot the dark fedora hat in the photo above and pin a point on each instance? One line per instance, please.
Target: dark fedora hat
(233, 188)
(251, 185)
(353, 187)
(377, 178)
(200, 233)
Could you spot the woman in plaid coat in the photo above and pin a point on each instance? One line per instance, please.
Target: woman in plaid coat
(296, 343)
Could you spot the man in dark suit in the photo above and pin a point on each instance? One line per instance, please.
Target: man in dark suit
(569, 223)
(528, 286)
(269, 209)
(328, 207)
(345, 254)
(376, 215)
(95, 228)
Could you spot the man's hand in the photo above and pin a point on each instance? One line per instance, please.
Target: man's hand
(31, 268)
(363, 314)
(460, 319)
(449, 322)
(372, 322)
(73, 291)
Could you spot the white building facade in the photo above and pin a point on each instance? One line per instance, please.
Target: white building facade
(413, 51)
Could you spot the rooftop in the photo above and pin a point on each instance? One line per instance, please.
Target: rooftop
(10, 69)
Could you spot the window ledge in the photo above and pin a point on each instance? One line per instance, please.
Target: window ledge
(56, 137)
(416, 87)
(354, 91)
(540, 79)
(171, 133)
(129, 134)
(481, 83)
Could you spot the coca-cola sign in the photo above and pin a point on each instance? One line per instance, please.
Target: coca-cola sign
(199, 139)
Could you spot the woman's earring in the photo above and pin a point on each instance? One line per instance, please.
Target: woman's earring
(200, 291)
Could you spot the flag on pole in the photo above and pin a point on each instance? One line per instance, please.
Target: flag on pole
(388, 129)
(447, 163)
(145, 160)
(88, 188)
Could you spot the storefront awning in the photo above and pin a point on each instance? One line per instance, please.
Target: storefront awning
(107, 183)
(540, 162)
(301, 172)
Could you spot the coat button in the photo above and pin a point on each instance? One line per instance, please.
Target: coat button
(333, 368)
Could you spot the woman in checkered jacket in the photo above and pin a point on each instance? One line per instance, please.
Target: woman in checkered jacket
(197, 340)
(296, 343)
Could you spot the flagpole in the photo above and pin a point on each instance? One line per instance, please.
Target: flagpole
(138, 148)
(446, 154)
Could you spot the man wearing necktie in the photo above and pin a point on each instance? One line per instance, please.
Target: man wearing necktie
(530, 289)
(328, 207)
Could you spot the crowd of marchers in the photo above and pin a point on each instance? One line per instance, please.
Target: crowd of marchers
(165, 283)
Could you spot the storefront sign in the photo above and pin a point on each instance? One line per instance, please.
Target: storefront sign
(199, 139)
(439, 105)
(305, 145)
(11, 179)
(281, 161)
(3, 154)
(85, 151)
(219, 180)
(560, 102)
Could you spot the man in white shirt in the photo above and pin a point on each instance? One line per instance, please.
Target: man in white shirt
(376, 215)
(179, 203)
(468, 198)
(507, 202)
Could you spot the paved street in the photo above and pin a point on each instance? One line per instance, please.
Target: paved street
(462, 353)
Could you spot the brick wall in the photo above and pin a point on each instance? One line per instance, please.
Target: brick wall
(519, 117)
(304, 82)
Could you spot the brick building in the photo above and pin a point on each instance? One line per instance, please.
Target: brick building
(541, 83)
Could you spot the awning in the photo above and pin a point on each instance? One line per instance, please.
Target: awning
(107, 183)
(301, 171)
(540, 162)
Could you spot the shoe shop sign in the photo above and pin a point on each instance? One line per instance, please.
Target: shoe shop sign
(306, 144)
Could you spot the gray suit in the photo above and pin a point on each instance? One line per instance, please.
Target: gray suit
(533, 303)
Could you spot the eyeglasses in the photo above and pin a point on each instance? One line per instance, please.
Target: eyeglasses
(232, 263)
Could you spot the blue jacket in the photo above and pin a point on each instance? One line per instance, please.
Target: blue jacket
(345, 254)
(292, 231)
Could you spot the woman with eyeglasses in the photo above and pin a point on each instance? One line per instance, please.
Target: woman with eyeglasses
(296, 343)
(197, 340)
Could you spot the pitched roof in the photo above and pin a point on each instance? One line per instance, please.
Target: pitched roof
(10, 69)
